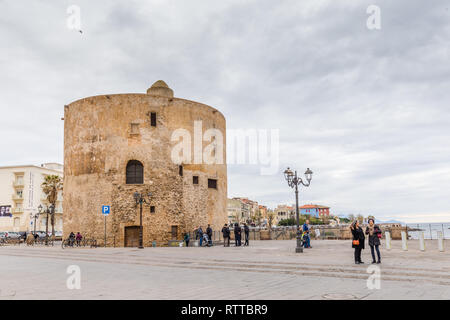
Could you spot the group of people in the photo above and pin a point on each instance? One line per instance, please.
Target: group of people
(373, 232)
(205, 238)
(75, 239)
(237, 229)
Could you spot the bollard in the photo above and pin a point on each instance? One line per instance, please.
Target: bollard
(422, 241)
(440, 235)
(388, 240)
(404, 241)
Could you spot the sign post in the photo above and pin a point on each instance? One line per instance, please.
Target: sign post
(106, 210)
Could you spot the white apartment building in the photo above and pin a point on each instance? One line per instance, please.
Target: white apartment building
(21, 194)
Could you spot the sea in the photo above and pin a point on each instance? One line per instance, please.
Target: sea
(430, 230)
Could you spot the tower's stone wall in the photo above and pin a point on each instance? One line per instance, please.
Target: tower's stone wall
(103, 133)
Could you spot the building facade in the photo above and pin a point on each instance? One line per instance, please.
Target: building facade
(283, 212)
(116, 145)
(21, 194)
(315, 210)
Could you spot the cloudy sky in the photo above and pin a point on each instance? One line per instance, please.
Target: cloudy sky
(367, 110)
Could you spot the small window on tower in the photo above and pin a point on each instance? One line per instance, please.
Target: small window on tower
(212, 183)
(135, 128)
(153, 119)
(152, 209)
(180, 170)
(195, 179)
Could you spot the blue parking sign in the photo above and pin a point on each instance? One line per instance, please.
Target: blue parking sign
(106, 210)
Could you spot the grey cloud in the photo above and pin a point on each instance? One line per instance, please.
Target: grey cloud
(366, 110)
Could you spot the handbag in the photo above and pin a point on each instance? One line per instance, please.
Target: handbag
(355, 242)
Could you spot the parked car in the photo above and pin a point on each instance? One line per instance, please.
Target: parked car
(3, 235)
(58, 233)
(13, 235)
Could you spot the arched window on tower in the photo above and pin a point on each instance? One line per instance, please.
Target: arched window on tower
(135, 172)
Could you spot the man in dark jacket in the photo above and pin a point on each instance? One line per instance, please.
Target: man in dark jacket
(200, 235)
(358, 241)
(226, 235)
(247, 234)
(237, 234)
(209, 232)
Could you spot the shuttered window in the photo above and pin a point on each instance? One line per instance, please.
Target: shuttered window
(135, 172)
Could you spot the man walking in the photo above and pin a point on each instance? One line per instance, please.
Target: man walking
(226, 235)
(237, 234)
(247, 234)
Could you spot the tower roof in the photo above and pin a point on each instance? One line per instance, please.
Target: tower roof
(160, 88)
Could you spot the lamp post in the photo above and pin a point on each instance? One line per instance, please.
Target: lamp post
(35, 216)
(294, 181)
(50, 210)
(139, 199)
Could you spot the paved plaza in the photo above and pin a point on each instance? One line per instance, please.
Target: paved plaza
(265, 270)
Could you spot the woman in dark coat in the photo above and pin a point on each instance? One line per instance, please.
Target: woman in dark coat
(358, 240)
(374, 233)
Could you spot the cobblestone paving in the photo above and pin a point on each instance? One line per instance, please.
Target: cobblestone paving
(265, 270)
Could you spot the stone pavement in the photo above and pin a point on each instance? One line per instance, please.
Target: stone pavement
(265, 270)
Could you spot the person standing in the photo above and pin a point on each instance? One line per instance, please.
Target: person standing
(306, 235)
(71, 239)
(358, 241)
(374, 233)
(200, 235)
(78, 238)
(30, 239)
(247, 234)
(209, 232)
(226, 235)
(186, 239)
(237, 234)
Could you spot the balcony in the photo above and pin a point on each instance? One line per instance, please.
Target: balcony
(18, 184)
(17, 197)
(17, 210)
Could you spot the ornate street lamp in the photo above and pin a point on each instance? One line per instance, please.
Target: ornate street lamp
(49, 211)
(35, 216)
(139, 199)
(294, 181)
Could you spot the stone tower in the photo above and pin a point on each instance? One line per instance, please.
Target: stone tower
(115, 145)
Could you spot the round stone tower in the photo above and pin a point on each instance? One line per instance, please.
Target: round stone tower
(116, 145)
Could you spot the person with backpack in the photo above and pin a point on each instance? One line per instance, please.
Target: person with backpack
(374, 233)
(186, 239)
(226, 235)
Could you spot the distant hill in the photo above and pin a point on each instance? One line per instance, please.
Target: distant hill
(391, 221)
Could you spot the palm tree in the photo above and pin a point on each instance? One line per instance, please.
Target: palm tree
(51, 186)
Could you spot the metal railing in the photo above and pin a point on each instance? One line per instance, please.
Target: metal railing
(430, 230)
